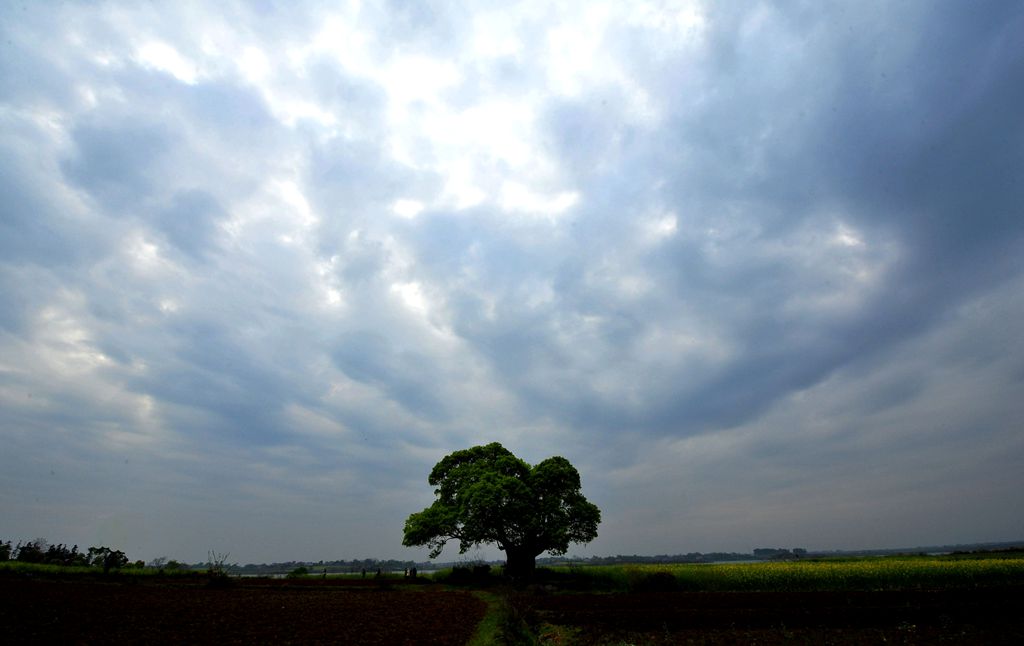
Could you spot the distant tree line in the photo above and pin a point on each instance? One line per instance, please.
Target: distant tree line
(39, 551)
(354, 566)
(691, 557)
(761, 553)
(162, 563)
(779, 553)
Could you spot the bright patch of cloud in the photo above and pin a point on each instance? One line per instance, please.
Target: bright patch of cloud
(660, 227)
(411, 295)
(847, 237)
(161, 56)
(407, 208)
(516, 197)
(254, 65)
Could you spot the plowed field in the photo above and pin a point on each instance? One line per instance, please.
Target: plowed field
(97, 612)
(966, 616)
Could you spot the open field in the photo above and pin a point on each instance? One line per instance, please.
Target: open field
(133, 610)
(873, 573)
(904, 600)
(908, 600)
(986, 616)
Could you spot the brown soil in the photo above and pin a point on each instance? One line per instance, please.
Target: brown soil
(976, 616)
(357, 612)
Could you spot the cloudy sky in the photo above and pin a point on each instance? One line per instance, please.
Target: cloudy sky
(756, 269)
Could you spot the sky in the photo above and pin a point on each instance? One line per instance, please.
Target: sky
(756, 269)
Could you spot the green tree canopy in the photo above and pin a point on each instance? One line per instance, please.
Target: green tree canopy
(486, 494)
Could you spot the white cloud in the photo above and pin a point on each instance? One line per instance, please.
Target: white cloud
(161, 56)
(516, 197)
(407, 208)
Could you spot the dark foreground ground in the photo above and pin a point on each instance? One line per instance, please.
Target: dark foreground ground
(94, 611)
(962, 616)
(98, 610)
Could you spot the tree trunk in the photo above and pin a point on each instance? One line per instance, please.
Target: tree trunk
(520, 564)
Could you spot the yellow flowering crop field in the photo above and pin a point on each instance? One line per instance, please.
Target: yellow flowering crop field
(869, 573)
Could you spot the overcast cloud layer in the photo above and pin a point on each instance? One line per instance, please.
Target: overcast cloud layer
(756, 269)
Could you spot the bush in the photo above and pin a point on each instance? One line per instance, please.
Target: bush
(107, 558)
(466, 575)
(61, 555)
(31, 552)
(298, 572)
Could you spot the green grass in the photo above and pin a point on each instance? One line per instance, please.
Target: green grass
(501, 624)
(832, 574)
(42, 569)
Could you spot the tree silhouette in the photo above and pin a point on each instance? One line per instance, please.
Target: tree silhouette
(486, 494)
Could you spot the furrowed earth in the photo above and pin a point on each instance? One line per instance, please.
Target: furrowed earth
(97, 609)
(264, 611)
(966, 616)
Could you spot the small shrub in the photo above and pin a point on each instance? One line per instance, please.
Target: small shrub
(460, 576)
(298, 572)
(481, 571)
(478, 574)
(217, 569)
(106, 558)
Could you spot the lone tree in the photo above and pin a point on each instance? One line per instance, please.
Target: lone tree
(486, 494)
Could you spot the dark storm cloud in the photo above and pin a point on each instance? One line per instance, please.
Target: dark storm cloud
(208, 370)
(907, 136)
(405, 375)
(586, 133)
(226, 111)
(189, 222)
(117, 165)
(27, 233)
(350, 178)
